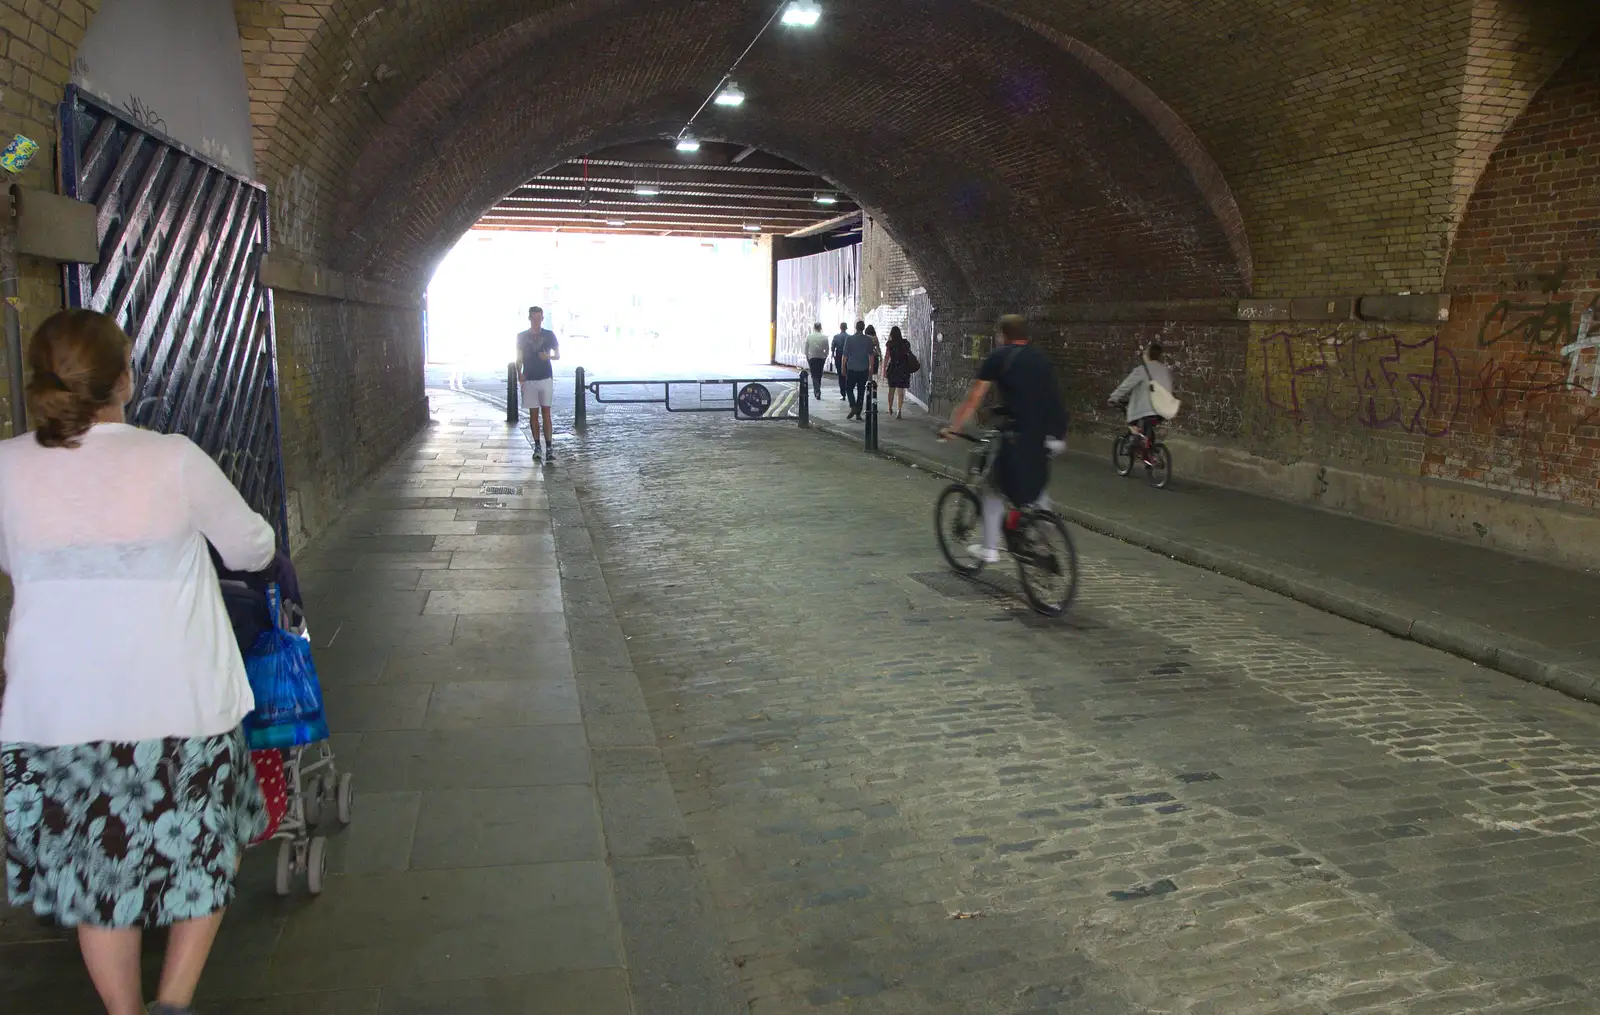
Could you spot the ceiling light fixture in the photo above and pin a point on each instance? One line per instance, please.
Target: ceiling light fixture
(826, 199)
(616, 223)
(645, 191)
(688, 144)
(802, 13)
(751, 227)
(730, 95)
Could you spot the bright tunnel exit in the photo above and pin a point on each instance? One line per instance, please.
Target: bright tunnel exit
(622, 306)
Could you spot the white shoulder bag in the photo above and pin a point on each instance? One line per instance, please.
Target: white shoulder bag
(1161, 400)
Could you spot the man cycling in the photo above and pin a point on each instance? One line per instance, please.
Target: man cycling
(1033, 427)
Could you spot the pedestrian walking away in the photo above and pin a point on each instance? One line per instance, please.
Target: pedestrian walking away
(537, 349)
(129, 790)
(899, 363)
(816, 357)
(839, 341)
(859, 351)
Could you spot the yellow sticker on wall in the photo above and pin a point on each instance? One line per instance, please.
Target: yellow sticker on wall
(18, 154)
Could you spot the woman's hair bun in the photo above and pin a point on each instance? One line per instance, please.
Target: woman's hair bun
(76, 361)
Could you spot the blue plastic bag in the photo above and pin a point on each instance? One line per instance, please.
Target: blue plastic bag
(288, 710)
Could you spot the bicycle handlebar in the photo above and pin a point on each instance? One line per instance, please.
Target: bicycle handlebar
(964, 436)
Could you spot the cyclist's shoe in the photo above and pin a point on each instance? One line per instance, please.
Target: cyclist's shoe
(983, 553)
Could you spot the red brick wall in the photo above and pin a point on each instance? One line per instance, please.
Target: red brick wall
(351, 393)
(1092, 358)
(1525, 267)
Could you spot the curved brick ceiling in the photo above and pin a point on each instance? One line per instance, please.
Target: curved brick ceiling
(1015, 163)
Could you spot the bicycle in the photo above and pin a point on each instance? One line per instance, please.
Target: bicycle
(1129, 450)
(1047, 560)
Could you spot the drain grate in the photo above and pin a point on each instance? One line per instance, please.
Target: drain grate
(989, 584)
(503, 491)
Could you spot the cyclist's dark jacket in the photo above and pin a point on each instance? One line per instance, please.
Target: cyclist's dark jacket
(1031, 410)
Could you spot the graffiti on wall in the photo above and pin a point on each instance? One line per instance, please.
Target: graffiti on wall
(1533, 348)
(1553, 331)
(818, 287)
(1380, 381)
(1507, 395)
(915, 321)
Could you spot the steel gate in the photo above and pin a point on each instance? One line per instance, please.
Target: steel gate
(181, 242)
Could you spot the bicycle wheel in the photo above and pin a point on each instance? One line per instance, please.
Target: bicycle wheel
(1159, 467)
(958, 520)
(1047, 562)
(1122, 454)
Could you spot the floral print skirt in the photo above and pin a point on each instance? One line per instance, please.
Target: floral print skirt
(128, 834)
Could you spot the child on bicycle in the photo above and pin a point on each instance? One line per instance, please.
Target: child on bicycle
(1135, 390)
(1034, 426)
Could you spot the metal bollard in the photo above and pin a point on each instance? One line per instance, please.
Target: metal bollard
(580, 400)
(872, 415)
(511, 394)
(805, 399)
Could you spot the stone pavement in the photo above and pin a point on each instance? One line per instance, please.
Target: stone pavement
(516, 848)
(696, 721)
(1192, 796)
(1533, 620)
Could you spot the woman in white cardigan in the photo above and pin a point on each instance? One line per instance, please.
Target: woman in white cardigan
(129, 793)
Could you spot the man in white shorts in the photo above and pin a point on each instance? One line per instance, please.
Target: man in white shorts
(536, 350)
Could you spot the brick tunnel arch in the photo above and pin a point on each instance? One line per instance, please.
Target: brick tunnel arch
(1015, 170)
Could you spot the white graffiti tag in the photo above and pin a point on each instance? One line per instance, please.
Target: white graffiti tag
(1587, 340)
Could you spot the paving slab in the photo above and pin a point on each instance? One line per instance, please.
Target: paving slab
(486, 704)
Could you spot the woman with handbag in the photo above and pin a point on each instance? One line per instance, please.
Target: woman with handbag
(1148, 391)
(129, 792)
(899, 363)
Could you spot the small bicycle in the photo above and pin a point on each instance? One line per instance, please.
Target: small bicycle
(1130, 450)
(1047, 561)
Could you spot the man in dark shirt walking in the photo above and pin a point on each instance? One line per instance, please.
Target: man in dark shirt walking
(859, 350)
(536, 350)
(838, 360)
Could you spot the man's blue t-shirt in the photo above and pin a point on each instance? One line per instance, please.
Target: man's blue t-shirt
(858, 352)
(529, 346)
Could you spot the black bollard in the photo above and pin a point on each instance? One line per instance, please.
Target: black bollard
(511, 394)
(805, 400)
(580, 400)
(872, 415)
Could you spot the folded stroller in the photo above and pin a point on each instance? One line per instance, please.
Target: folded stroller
(296, 766)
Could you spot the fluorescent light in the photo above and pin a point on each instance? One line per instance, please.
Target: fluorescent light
(643, 191)
(751, 227)
(802, 13)
(616, 223)
(688, 144)
(731, 95)
(826, 199)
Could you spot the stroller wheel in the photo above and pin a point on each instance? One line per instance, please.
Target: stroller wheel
(315, 797)
(316, 865)
(285, 874)
(346, 798)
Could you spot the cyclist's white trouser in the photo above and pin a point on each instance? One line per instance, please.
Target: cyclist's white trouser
(994, 514)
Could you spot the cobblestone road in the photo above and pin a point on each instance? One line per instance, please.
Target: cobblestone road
(1190, 797)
